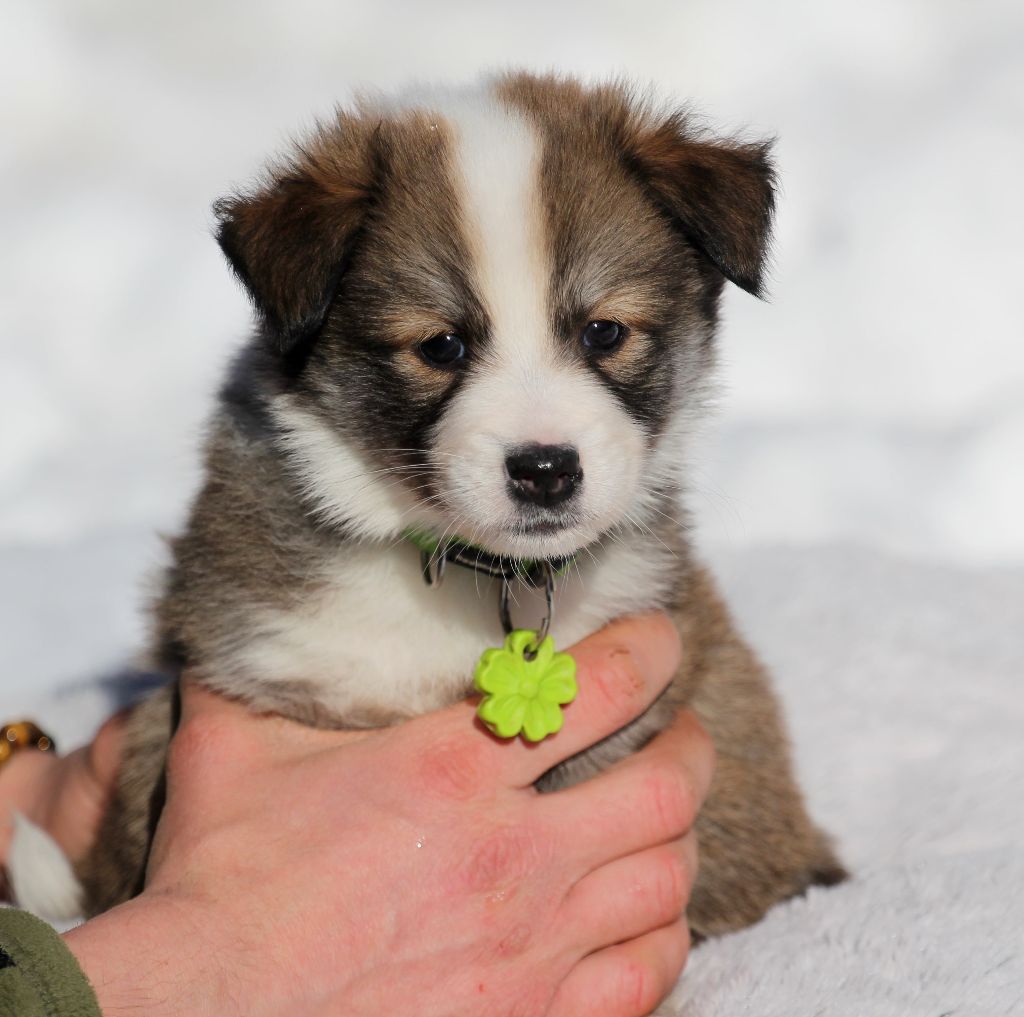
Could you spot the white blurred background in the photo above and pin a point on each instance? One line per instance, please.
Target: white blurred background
(877, 400)
(861, 494)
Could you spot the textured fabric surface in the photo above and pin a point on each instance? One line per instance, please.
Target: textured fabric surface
(902, 683)
(41, 977)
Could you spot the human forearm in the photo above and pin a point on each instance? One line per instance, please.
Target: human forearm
(146, 958)
(143, 959)
(65, 795)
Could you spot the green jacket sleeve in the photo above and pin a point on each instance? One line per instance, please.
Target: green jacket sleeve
(39, 976)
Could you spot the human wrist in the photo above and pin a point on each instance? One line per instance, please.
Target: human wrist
(145, 958)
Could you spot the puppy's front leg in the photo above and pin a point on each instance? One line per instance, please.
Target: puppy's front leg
(758, 845)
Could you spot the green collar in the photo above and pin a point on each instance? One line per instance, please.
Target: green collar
(470, 556)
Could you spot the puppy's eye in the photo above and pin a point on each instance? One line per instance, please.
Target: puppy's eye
(443, 350)
(603, 336)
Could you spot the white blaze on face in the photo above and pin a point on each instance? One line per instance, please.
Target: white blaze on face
(522, 392)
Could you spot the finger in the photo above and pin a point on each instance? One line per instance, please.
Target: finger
(620, 671)
(218, 740)
(626, 980)
(104, 754)
(633, 895)
(648, 798)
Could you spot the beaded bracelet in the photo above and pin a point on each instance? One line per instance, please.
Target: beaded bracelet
(23, 734)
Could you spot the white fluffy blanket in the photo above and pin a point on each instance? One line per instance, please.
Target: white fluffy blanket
(902, 683)
(902, 686)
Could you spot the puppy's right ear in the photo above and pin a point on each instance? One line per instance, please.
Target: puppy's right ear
(287, 241)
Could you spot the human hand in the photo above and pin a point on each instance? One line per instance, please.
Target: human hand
(65, 795)
(415, 869)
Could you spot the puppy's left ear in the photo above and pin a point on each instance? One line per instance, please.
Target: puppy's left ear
(288, 240)
(721, 193)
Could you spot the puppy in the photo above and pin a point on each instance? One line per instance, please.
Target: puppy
(485, 328)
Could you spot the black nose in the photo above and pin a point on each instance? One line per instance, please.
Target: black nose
(544, 474)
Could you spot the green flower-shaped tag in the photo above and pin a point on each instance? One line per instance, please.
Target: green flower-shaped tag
(522, 695)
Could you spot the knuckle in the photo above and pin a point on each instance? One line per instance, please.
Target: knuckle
(683, 944)
(672, 801)
(635, 989)
(452, 768)
(199, 743)
(677, 949)
(691, 858)
(671, 886)
(618, 679)
(701, 738)
(701, 734)
(504, 857)
(104, 750)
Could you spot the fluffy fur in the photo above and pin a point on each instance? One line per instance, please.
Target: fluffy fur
(509, 216)
(42, 879)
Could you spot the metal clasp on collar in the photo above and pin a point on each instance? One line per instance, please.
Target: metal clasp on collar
(434, 562)
(549, 609)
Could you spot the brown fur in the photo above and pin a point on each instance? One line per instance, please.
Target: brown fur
(636, 200)
(115, 870)
(758, 845)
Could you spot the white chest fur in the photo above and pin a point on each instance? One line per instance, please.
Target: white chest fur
(374, 638)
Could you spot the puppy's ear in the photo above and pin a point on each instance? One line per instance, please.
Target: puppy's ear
(721, 193)
(288, 240)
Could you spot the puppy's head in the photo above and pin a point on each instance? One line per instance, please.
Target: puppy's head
(491, 312)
